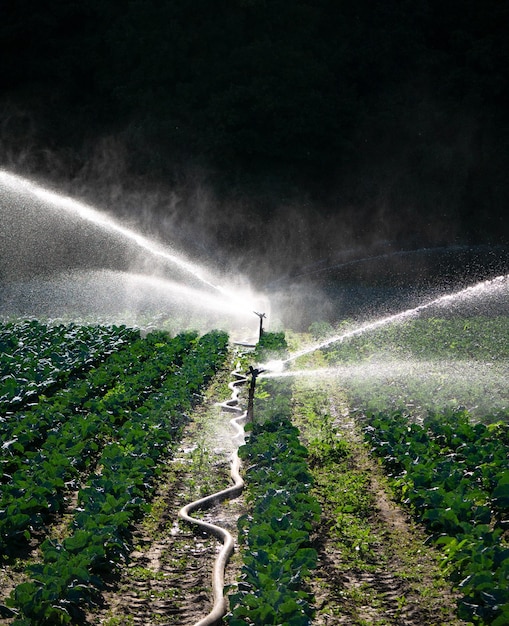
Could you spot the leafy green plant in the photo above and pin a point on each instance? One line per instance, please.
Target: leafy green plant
(270, 345)
(276, 553)
(39, 478)
(35, 358)
(454, 474)
(275, 534)
(428, 338)
(71, 571)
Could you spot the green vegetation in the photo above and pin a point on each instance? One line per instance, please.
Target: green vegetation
(427, 364)
(36, 358)
(51, 447)
(275, 534)
(407, 382)
(112, 446)
(343, 486)
(371, 571)
(427, 338)
(84, 456)
(449, 467)
(270, 346)
(454, 475)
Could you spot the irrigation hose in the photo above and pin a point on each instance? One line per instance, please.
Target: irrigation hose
(220, 604)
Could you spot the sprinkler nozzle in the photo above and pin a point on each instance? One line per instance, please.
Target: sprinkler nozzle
(262, 317)
(254, 372)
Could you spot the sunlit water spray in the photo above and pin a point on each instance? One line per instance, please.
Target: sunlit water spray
(414, 386)
(242, 302)
(499, 284)
(119, 298)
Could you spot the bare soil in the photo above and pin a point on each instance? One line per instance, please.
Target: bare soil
(168, 578)
(399, 583)
(401, 586)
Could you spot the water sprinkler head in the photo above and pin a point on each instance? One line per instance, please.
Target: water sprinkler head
(254, 372)
(262, 317)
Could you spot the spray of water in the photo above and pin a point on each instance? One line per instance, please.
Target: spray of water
(415, 386)
(118, 297)
(89, 214)
(500, 283)
(274, 369)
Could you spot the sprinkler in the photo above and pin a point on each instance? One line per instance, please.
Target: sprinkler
(261, 316)
(252, 385)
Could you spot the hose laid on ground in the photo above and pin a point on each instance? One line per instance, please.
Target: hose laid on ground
(220, 605)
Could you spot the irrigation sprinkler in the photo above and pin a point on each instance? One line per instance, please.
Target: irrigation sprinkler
(252, 385)
(261, 316)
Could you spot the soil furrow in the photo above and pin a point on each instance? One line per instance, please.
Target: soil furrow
(373, 565)
(169, 574)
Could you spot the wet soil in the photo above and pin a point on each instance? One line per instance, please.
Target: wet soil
(399, 583)
(393, 590)
(168, 579)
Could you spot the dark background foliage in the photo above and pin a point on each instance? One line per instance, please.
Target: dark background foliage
(388, 116)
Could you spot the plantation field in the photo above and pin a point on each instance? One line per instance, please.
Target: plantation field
(427, 364)
(431, 399)
(93, 458)
(80, 463)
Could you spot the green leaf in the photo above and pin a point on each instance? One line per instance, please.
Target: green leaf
(503, 618)
(500, 495)
(77, 542)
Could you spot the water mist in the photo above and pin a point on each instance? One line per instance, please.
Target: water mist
(76, 233)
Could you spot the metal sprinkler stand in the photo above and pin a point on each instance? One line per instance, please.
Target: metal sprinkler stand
(261, 316)
(252, 385)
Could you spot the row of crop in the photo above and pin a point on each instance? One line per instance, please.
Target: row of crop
(40, 478)
(479, 338)
(71, 572)
(421, 365)
(275, 534)
(102, 388)
(455, 476)
(35, 357)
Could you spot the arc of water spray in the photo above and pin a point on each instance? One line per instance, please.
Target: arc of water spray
(220, 604)
(92, 215)
(442, 300)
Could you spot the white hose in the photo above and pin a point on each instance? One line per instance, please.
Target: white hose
(220, 604)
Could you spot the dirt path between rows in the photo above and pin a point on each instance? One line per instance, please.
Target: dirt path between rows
(399, 582)
(168, 579)
(169, 574)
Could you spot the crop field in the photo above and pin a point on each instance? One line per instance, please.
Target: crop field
(376, 474)
(81, 449)
(431, 398)
(254, 313)
(429, 364)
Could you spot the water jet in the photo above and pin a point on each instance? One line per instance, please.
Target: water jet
(498, 285)
(80, 238)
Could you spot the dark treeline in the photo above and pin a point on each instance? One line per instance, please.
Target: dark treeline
(393, 113)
